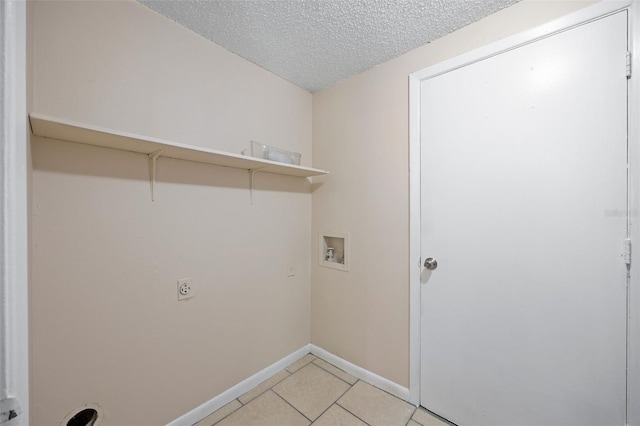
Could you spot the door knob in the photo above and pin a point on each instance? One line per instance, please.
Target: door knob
(430, 263)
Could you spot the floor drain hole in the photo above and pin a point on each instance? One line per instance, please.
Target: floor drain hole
(86, 417)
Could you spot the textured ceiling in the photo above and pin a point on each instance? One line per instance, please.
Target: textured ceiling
(316, 43)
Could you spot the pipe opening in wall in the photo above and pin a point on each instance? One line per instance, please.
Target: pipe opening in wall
(88, 415)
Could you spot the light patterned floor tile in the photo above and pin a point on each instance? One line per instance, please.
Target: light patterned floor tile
(311, 390)
(375, 406)
(321, 392)
(425, 418)
(301, 363)
(262, 387)
(220, 414)
(338, 416)
(335, 371)
(266, 410)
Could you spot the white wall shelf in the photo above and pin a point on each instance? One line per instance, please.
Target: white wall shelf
(56, 128)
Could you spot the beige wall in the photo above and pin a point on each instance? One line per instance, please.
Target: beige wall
(105, 323)
(106, 326)
(360, 134)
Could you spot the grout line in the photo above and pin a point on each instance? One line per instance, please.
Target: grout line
(345, 408)
(261, 393)
(415, 408)
(241, 405)
(411, 417)
(292, 372)
(290, 405)
(389, 393)
(330, 405)
(324, 369)
(304, 366)
(326, 409)
(327, 371)
(353, 414)
(336, 401)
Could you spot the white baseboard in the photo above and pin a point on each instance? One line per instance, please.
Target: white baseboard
(362, 374)
(244, 386)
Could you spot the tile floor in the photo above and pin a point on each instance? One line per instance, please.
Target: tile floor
(312, 391)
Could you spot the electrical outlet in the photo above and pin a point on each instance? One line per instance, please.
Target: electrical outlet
(186, 289)
(292, 271)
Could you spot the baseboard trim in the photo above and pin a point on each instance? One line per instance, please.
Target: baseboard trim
(202, 411)
(234, 392)
(362, 374)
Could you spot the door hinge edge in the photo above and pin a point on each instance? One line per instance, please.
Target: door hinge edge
(626, 254)
(628, 64)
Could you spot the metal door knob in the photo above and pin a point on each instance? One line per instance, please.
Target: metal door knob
(430, 263)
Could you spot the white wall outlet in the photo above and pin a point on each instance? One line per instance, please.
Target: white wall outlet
(186, 289)
(292, 271)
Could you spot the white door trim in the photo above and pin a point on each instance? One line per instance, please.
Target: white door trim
(583, 16)
(14, 333)
(633, 331)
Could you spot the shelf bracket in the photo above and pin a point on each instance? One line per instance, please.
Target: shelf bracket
(152, 170)
(251, 173)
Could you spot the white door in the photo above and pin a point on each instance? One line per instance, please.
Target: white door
(523, 205)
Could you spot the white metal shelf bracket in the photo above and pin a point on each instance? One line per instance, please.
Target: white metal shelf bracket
(251, 173)
(152, 170)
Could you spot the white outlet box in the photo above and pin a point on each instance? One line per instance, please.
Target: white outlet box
(333, 250)
(186, 289)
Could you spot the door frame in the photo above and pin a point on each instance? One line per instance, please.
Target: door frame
(14, 332)
(578, 18)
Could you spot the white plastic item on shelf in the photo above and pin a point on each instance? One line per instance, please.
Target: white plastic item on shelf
(266, 152)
